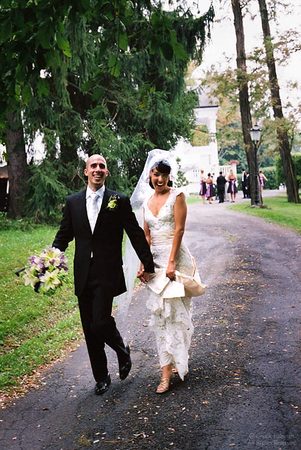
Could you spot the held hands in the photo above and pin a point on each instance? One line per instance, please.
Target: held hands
(143, 276)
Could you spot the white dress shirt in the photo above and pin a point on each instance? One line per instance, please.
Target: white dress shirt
(91, 205)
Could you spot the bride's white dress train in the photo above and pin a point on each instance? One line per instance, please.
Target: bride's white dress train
(170, 317)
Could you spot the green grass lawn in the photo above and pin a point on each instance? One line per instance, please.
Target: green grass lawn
(277, 210)
(34, 328)
(193, 199)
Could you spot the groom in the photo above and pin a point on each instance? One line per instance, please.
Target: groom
(96, 218)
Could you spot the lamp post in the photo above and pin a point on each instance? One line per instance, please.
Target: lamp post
(255, 133)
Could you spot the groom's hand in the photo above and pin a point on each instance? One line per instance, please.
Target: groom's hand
(143, 276)
(147, 276)
(140, 272)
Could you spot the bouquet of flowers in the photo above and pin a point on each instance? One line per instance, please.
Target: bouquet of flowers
(45, 272)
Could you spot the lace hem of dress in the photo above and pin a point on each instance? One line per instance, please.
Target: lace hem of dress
(172, 325)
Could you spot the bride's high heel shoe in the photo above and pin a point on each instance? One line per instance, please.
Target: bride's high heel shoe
(164, 385)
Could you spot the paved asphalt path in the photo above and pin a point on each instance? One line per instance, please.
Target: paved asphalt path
(243, 390)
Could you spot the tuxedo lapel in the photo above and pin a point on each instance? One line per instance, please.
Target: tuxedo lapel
(105, 201)
(82, 208)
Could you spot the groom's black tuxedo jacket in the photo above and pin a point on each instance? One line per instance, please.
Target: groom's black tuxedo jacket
(106, 241)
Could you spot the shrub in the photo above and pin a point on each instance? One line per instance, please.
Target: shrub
(46, 193)
(12, 224)
(297, 164)
(239, 182)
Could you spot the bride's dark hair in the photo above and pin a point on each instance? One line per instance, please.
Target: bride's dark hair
(162, 167)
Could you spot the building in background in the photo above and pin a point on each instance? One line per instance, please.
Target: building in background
(193, 159)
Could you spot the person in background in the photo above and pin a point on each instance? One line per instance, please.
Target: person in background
(209, 188)
(261, 181)
(221, 183)
(232, 188)
(244, 184)
(202, 192)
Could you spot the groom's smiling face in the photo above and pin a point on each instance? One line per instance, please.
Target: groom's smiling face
(96, 171)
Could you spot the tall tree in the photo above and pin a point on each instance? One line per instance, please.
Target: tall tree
(31, 41)
(137, 52)
(244, 103)
(282, 135)
(17, 168)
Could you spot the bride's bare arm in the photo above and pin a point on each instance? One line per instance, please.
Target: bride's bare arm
(180, 213)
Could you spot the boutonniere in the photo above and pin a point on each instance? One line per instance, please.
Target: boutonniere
(112, 203)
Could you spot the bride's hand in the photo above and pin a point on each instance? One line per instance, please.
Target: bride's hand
(171, 271)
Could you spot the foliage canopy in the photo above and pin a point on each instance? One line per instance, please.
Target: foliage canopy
(98, 76)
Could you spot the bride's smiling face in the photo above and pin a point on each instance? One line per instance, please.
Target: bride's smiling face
(159, 180)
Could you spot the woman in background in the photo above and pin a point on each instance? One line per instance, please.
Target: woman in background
(203, 187)
(232, 187)
(209, 188)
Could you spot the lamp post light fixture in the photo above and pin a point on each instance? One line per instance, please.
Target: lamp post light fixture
(255, 133)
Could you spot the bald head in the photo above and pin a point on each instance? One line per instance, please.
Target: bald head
(96, 170)
(96, 158)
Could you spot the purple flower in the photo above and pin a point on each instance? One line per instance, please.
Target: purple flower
(46, 271)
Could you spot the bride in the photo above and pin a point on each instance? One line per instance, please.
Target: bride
(164, 214)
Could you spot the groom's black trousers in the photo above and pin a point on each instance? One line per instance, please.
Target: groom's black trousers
(95, 305)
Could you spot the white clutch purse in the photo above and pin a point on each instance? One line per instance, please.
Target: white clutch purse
(192, 284)
(183, 286)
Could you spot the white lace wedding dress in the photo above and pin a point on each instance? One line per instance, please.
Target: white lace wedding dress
(170, 317)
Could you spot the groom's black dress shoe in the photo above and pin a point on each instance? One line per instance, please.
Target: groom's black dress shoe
(125, 366)
(102, 386)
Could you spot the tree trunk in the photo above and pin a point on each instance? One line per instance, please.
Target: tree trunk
(282, 137)
(244, 103)
(17, 164)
